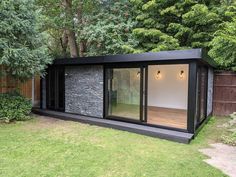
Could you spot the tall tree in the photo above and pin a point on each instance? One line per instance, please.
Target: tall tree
(168, 24)
(109, 29)
(64, 21)
(223, 46)
(69, 29)
(23, 51)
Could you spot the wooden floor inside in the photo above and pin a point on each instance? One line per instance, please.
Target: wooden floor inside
(167, 117)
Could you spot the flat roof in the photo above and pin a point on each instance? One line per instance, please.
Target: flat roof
(172, 55)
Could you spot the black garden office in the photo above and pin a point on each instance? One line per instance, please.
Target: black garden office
(166, 94)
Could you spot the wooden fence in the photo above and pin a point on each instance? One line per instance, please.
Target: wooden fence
(30, 89)
(224, 95)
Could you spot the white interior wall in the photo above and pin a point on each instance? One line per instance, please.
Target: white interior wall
(169, 91)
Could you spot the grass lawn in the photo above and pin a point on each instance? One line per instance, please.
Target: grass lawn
(51, 147)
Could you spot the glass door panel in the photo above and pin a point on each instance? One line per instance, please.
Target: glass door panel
(167, 96)
(124, 88)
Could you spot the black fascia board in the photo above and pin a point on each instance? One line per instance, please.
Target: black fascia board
(156, 56)
(79, 60)
(174, 55)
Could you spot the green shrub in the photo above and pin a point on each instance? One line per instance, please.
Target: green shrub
(230, 136)
(13, 106)
(229, 139)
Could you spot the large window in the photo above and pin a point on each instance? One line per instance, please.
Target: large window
(154, 94)
(124, 92)
(168, 95)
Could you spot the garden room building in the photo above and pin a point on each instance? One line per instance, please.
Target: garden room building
(165, 94)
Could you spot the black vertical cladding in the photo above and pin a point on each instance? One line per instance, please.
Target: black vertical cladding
(206, 92)
(47, 87)
(106, 93)
(192, 84)
(52, 88)
(202, 68)
(55, 88)
(41, 93)
(61, 88)
(199, 79)
(141, 95)
(146, 94)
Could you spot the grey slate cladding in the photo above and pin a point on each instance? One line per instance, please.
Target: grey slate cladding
(84, 90)
(210, 91)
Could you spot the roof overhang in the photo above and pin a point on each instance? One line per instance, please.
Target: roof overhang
(173, 55)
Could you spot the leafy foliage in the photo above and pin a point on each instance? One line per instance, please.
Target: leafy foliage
(230, 136)
(100, 26)
(13, 106)
(132, 26)
(167, 25)
(23, 51)
(62, 16)
(109, 29)
(224, 46)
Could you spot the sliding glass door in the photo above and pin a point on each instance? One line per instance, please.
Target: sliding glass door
(124, 86)
(156, 95)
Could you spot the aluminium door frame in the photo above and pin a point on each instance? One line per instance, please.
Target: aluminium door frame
(106, 100)
(191, 108)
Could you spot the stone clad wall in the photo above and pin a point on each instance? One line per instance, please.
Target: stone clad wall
(210, 91)
(84, 90)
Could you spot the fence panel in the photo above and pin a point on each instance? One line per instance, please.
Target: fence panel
(224, 97)
(8, 84)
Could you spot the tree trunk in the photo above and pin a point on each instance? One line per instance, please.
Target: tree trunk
(64, 42)
(72, 43)
(82, 48)
(70, 31)
(82, 43)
